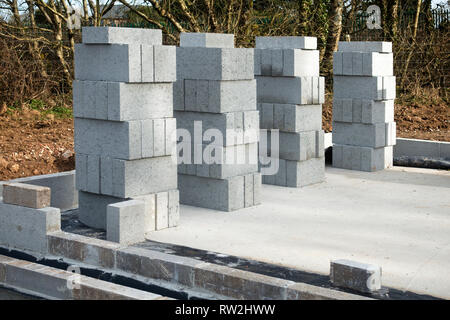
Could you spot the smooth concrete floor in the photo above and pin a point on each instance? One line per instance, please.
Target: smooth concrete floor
(397, 218)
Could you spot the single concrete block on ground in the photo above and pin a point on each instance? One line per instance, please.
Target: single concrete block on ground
(26, 195)
(26, 228)
(365, 46)
(362, 158)
(218, 194)
(120, 101)
(125, 222)
(296, 174)
(206, 40)
(290, 90)
(355, 275)
(110, 35)
(309, 43)
(214, 63)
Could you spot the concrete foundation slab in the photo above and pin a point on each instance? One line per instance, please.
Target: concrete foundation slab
(396, 218)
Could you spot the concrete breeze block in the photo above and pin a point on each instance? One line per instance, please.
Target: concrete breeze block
(93, 207)
(363, 135)
(26, 195)
(286, 62)
(235, 127)
(290, 117)
(125, 63)
(219, 96)
(27, 228)
(309, 43)
(363, 64)
(125, 222)
(362, 158)
(365, 46)
(109, 35)
(225, 195)
(366, 88)
(364, 111)
(298, 146)
(354, 275)
(206, 40)
(127, 140)
(230, 161)
(63, 192)
(290, 90)
(214, 63)
(119, 101)
(297, 174)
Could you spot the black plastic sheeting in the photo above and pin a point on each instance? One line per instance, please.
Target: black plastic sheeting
(423, 162)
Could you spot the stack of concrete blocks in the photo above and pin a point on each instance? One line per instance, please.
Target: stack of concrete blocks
(290, 95)
(125, 133)
(215, 92)
(363, 106)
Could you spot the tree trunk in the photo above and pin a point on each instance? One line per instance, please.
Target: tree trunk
(334, 34)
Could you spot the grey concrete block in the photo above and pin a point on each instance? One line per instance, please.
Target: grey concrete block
(127, 140)
(138, 101)
(365, 46)
(214, 63)
(93, 173)
(287, 62)
(27, 228)
(354, 275)
(149, 201)
(174, 208)
(125, 222)
(93, 207)
(363, 135)
(162, 210)
(62, 185)
(114, 62)
(219, 96)
(290, 90)
(421, 148)
(206, 40)
(309, 43)
(81, 171)
(391, 133)
(297, 146)
(233, 126)
(257, 62)
(125, 63)
(224, 195)
(362, 158)
(297, 174)
(143, 176)
(225, 162)
(363, 111)
(109, 35)
(164, 64)
(366, 88)
(363, 64)
(26, 195)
